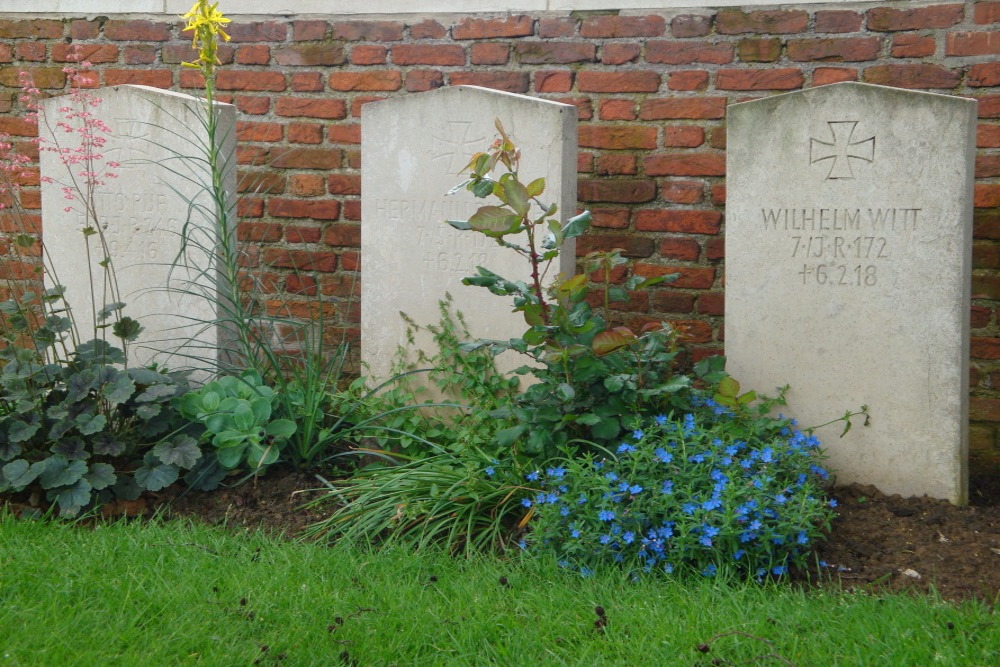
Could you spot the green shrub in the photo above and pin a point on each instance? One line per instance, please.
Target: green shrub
(689, 492)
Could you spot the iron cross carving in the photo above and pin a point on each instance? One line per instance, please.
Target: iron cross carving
(841, 149)
(458, 147)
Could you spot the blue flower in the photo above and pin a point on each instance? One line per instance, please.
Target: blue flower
(611, 477)
(668, 568)
(623, 486)
(711, 504)
(551, 498)
(604, 539)
(660, 419)
(526, 502)
(767, 455)
(668, 487)
(556, 473)
(625, 447)
(697, 458)
(637, 434)
(709, 571)
(731, 450)
(582, 499)
(574, 533)
(689, 508)
(490, 471)
(689, 424)
(586, 571)
(833, 502)
(597, 465)
(738, 554)
(779, 570)
(634, 489)
(628, 537)
(564, 511)
(662, 455)
(532, 476)
(605, 515)
(523, 545)
(802, 538)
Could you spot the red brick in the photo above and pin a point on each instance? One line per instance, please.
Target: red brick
(715, 248)
(712, 303)
(619, 53)
(680, 221)
(139, 54)
(266, 31)
(984, 74)
(305, 133)
(344, 235)
(989, 106)
(138, 31)
(912, 46)
(683, 136)
(368, 31)
(35, 51)
(309, 31)
(307, 185)
(360, 101)
(636, 81)
(295, 208)
(247, 131)
(886, 19)
(253, 54)
(301, 284)
(690, 277)
(986, 195)
(683, 107)
(369, 80)
(94, 53)
(369, 54)
(157, 78)
(584, 107)
(253, 104)
(682, 192)
(302, 234)
(489, 53)
(308, 158)
(838, 21)
(553, 81)
(512, 26)
(344, 184)
(542, 53)
(988, 136)
(584, 162)
(680, 248)
(759, 50)
(616, 164)
(17, 126)
(786, 78)
(776, 22)
(984, 409)
(836, 49)
(260, 182)
(426, 54)
(827, 75)
(418, 81)
(350, 261)
(685, 52)
(307, 82)
(671, 301)
(972, 43)
(257, 232)
(347, 133)
(617, 137)
(311, 107)
(251, 155)
(352, 210)
(512, 82)
(309, 55)
(617, 191)
(300, 260)
(427, 29)
(986, 224)
(610, 218)
(986, 12)
(985, 255)
(690, 25)
(617, 109)
(622, 26)
(685, 164)
(688, 80)
(923, 75)
(630, 245)
(43, 77)
(979, 317)
(81, 29)
(556, 27)
(228, 79)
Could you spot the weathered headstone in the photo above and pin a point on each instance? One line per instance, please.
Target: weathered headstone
(848, 236)
(414, 149)
(157, 138)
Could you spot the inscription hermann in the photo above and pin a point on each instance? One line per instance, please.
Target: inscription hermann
(442, 248)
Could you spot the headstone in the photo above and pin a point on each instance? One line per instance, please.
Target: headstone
(414, 150)
(157, 137)
(848, 236)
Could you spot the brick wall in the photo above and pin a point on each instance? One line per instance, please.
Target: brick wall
(651, 91)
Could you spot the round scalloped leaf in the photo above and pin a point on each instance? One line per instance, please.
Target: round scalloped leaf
(182, 451)
(155, 478)
(101, 475)
(60, 472)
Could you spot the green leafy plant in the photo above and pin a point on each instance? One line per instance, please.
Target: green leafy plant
(589, 375)
(712, 489)
(236, 413)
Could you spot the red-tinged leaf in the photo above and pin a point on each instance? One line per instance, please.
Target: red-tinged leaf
(493, 219)
(650, 327)
(516, 196)
(612, 340)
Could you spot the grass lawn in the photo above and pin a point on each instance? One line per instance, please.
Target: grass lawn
(165, 593)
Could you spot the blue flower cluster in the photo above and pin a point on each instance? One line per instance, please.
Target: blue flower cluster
(695, 492)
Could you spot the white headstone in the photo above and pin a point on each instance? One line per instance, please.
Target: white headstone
(848, 236)
(414, 149)
(158, 138)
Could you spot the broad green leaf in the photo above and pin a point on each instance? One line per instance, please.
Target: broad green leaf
(72, 449)
(156, 477)
(73, 499)
(281, 428)
(20, 473)
(230, 457)
(606, 429)
(493, 219)
(181, 451)
(565, 392)
(88, 424)
(118, 390)
(577, 225)
(728, 387)
(21, 431)
(483, 188)
(243, 416)
(101, 475)
(516, 196)
(612, 340)
(588, 419)
(536, 187)
(261, 408)
(60, 472)
(747, 397)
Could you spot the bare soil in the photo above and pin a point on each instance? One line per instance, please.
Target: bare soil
(877, 542)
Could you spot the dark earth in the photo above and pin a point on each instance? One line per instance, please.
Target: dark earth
(877, 542)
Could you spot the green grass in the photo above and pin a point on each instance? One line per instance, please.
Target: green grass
(165, 593)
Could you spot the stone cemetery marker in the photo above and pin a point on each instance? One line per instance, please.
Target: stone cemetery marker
(414, 149)
(141, 214)
(848, 236)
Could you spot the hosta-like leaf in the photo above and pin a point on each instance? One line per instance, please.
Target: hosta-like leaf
(106, 444)
(118, 390)
(280, 428)
(230, 457)
(20, 473)
(101, 475)
(182, 450)
(243, 416)
(73, 499)
(60, 472)
(88, 424)
(72, 449)
(156, 477)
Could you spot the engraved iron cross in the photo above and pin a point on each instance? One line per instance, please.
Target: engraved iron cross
(841, 149)
(459, 147)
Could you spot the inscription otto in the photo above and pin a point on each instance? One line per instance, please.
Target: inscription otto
(842, 247)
